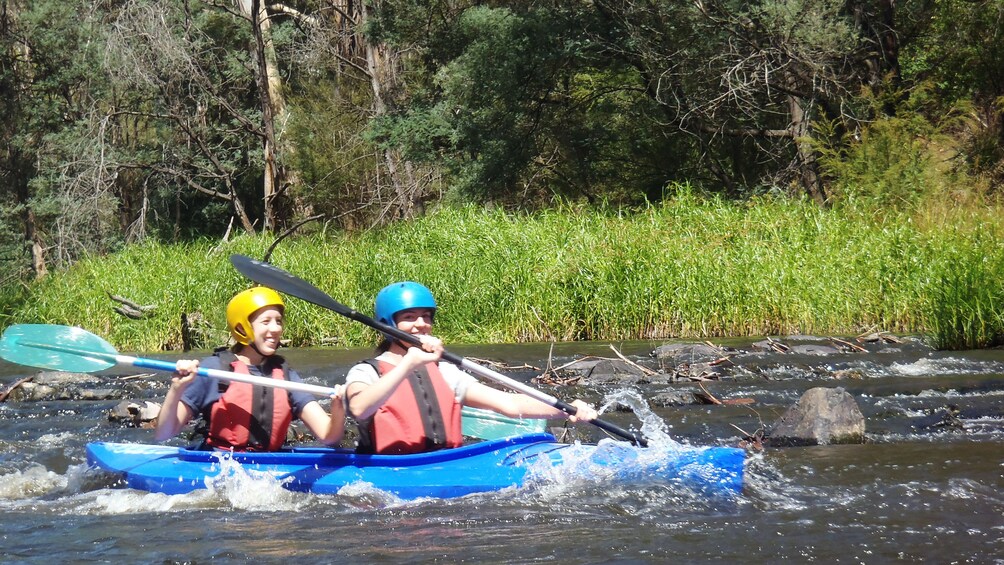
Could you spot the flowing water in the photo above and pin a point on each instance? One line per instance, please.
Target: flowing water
(927, 484)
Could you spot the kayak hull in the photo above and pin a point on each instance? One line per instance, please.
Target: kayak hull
(480, 467)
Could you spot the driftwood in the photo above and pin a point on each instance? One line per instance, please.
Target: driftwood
(130, 309)
(644, 370)
(777, 345)
(850, 345)
(884, 337)
(11, 388)
(706, 397)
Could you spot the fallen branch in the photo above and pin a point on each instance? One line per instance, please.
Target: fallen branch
(130, 309)
(644, 370)
(706, 397)
(11, 388)
(855, 347)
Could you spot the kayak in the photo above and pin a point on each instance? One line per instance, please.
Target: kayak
(480, 467)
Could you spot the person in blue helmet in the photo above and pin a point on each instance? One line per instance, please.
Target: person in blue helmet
(405, 400)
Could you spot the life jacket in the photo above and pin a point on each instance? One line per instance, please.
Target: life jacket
(248, 417)
(422, 414)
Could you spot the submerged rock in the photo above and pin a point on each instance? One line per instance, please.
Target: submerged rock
(134, 412)
(606, 371)
(58, 385)
(821, 416)
(677, 353)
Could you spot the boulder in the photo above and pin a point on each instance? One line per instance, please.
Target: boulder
(673, 398)
(677, 353)
(608, 371)
(821, 416)
(813, 349)
(134, 412)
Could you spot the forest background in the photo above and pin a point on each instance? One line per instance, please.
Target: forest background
(553, 170)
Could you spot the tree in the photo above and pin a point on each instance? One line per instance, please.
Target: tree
(49, 51)
(519, 106)
(717, 90)
(192, 82)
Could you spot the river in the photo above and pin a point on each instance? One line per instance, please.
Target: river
(926, 485)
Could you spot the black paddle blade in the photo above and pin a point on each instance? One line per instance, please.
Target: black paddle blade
(275, 278)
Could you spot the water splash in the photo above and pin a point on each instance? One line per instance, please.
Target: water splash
(653, 428)
(34, 481)
(245, 488)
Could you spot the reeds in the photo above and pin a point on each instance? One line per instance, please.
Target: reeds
(690, 267)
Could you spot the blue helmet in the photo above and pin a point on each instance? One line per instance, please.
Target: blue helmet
(402, 296)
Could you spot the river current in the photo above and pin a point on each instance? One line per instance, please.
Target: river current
(927, 485)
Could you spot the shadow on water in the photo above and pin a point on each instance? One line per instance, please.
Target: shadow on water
(926, 485)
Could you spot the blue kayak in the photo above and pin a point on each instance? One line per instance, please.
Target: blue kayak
(480, 467)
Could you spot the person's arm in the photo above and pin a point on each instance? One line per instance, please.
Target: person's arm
(174, 413)
(365, 399)
(516, 405)
(328, 429)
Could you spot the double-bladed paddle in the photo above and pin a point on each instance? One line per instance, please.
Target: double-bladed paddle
(282, 281)
(76, 350)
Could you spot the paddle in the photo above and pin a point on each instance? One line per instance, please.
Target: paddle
(278, 279)
(76, 350)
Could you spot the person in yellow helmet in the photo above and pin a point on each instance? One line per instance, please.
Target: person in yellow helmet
(241, 416)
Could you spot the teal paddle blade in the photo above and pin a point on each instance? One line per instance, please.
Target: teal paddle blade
(485, 424)
(59, 348)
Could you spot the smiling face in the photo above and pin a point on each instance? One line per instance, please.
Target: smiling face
(266, 323)
(416, 321)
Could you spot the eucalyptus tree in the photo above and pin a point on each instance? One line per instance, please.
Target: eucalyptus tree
(49, 51)
(748, 80)
(518, 105)
(200, 126)
(218, 75)
(345, 75)
(596, 97)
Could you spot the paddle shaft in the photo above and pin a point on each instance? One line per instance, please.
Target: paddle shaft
(169, 367)
(487, 373)
(282, 281)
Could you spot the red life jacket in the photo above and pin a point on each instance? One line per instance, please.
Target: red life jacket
(250, 418)
(421, 415)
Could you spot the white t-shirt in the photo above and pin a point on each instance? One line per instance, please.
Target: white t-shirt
(454, 377)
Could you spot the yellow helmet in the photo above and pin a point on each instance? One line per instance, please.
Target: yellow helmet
(245, 303)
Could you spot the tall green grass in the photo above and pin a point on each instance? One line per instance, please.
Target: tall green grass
(690, 267)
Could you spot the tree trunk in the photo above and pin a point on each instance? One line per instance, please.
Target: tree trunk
(271, 103)
(31, 236)
(37, 250)
(807, 164)
(880, 28)
(14, 160)
(383, 76)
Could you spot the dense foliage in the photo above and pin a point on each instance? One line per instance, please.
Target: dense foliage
(132, 121)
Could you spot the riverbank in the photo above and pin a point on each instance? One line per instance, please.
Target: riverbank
(689, 267)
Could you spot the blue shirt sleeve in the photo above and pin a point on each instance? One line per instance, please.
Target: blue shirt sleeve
(298, 399)
(203, 392)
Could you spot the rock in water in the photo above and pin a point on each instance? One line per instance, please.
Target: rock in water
(822, 416)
